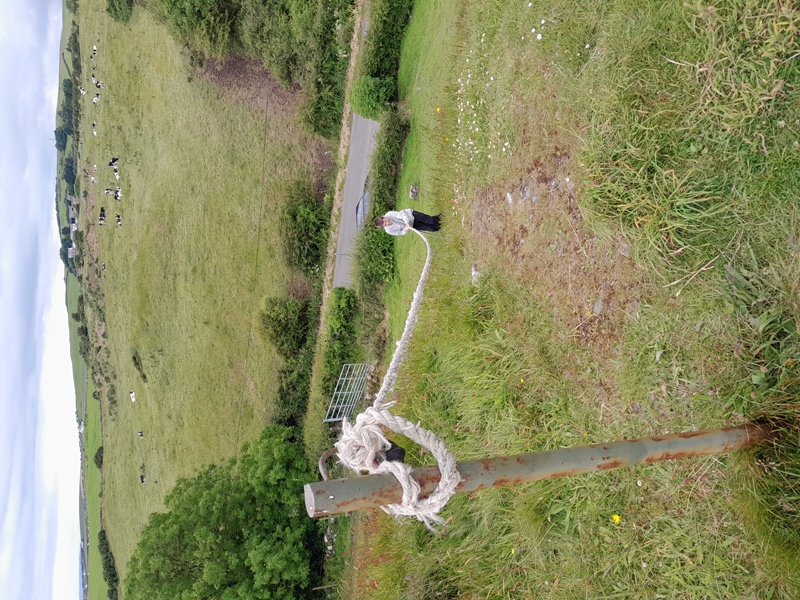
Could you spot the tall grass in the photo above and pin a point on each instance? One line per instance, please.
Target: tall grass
(670, 121)
(690, 135)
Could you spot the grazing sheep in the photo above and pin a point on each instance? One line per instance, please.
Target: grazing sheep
(133, 396)
(82, 91)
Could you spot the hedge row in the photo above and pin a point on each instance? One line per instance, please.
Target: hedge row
(298, 41)
(341, 336)
(374, 256)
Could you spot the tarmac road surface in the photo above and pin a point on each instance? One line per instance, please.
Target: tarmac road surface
(362, 144)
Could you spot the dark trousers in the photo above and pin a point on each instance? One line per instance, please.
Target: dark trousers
(423, 222)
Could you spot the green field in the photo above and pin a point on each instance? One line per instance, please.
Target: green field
(204, 159)
(97, 586)
(623, 190)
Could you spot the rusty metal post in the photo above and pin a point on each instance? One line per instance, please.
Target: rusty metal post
(357, 493)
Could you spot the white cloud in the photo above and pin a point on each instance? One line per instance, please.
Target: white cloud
(39, 456)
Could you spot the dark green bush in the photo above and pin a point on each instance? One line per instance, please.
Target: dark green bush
(388, 20)
(374, 258)
(274, 33)
(107, 558)
(304, 227)
(98, 458)
(284, 321)
(323, 84)
(370, 96)
(120, 10)
(294, 381)
(204, 25)
(387, 160)
(341, 336)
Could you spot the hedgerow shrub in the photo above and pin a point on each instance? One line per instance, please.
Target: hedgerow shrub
(294, 381)
(120, 10)
(323, 83)
(388, 22)
(304, 227)
(109, 564)
(374, 258)
(369, 96)
(276, 33)
(387, 160)
(284, 322)
(374, 255)
(341, 335)
(204, 25)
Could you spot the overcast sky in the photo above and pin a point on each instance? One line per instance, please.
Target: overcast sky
(39, 453)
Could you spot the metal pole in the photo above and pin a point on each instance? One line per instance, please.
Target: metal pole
(357, 493)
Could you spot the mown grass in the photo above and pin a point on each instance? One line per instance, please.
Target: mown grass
(691, 164)
(203, 175)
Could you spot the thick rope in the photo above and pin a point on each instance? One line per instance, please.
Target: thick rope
(360, 443)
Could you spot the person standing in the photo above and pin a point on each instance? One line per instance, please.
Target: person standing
(400, 222)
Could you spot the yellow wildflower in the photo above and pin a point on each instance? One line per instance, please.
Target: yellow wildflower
(617, 519)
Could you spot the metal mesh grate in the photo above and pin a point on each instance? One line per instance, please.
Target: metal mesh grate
(349, 389)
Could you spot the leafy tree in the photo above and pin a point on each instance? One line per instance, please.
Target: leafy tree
(237, 531)
(69, 175)
(370, 95)
(61, 138)
(67, 114)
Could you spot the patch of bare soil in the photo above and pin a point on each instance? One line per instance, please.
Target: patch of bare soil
(533, 229)
(246, 81)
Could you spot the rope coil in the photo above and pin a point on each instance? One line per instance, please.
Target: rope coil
(361, 442)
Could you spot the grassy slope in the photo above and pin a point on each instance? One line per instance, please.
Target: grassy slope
(517, 364)
(181, 287)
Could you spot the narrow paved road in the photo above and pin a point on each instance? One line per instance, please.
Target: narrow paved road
(362, 144)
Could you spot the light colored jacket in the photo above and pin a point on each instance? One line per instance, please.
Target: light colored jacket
(399, 219)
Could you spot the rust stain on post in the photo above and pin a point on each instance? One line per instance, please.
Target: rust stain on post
(357, 493)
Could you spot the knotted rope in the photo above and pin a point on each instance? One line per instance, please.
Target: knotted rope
(361, 442)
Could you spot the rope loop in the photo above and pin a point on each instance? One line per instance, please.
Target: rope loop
(361, 442)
